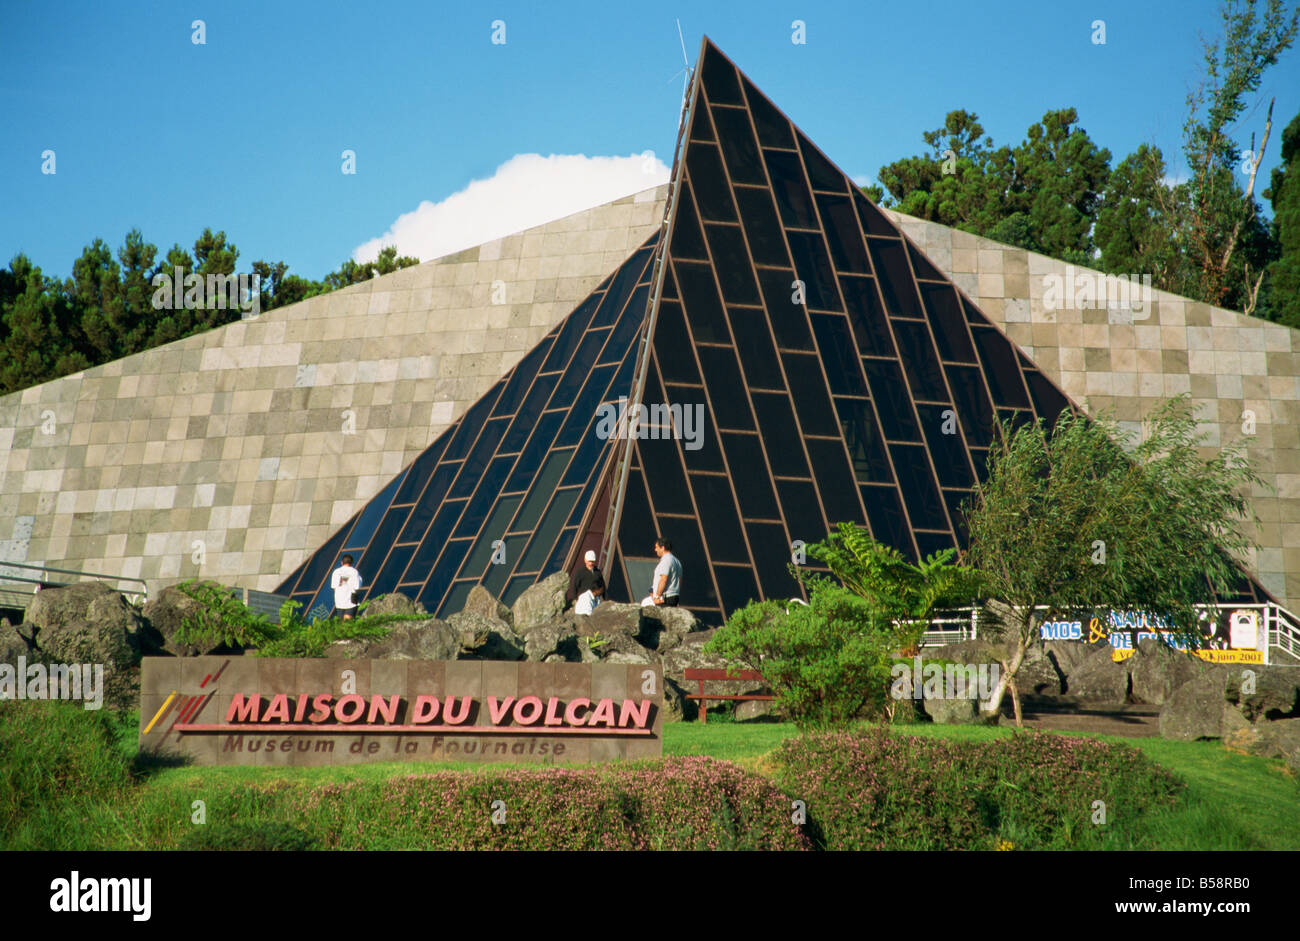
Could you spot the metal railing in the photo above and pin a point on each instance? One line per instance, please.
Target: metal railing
(19, 598)
(1280, 629)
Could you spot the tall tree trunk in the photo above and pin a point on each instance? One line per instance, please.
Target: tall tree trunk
(993, 708)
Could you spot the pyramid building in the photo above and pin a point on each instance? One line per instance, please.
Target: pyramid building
(779, 357)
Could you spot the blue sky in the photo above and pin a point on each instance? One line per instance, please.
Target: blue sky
(245, 133)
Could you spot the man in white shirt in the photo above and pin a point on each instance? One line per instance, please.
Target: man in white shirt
(345, 581)
(666, 583)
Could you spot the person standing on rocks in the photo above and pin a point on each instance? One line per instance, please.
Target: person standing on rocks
(666, 583)
(588, 585)
(346, 582)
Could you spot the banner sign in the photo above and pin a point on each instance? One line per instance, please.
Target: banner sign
(251, 710)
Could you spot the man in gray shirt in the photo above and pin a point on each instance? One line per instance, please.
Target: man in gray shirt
(666, 584)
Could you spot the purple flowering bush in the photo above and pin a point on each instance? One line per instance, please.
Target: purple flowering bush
(678, 803)
(868, 789)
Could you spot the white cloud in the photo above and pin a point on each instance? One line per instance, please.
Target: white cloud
(526, 190)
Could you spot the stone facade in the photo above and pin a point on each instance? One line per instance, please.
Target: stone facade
(1236, 368)
(234, 453)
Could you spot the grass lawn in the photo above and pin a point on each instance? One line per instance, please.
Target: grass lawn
(1232, 802)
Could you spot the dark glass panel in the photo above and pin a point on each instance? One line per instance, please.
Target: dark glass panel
(803, 514)
(980, 458)
(625, 280)
(673, 345)
(390, 574)
(789, 322)
(445, 571)
(865, 443)
(539, 549)
(707, 456)
(700, 301)
(417, 475)
(571, 331)
(616, 581)
(496, 576)
(754, 344)
(790, 189)
(516, 587)
(684, 534)
(386, 535)
(701, 124)
(719, 519)
(773, 129)
(930, 543)
(371, 515)
(561, 551)
(808, 389)
(688, 239)
(543, 439)
(870, 326)
(843, 368)
(436, 537)
(469, 424)
(1048, 401)
(954, 500)
(484, 497)
(919, 360)
(520, 379)
(719, 75)
(1017, 417)
(921, 265)
(731, 261)
(772, 552)
(973, 406)
(591, 449)
(944, 308)
(835, 483)
(738, 147)
(587, 406)
(422, 513)
(726, 388)
(664, 474)
(547, 480)
(624, 335)
(895, 278)
(528, 412)
(812, 264)
(580, 365)
(711, 190)
(458, 595)
(736, 585)
(762, 227)
(892, 402)
(917, 483)
(821, 172)
(1000, 368)
(888, 525)
(780, 435)
(843, 234)
(636, 519)
(973, 314)
(493, 529)
(749, 474)
(939, 422)
(479, 457)
(874, 222)
(312, 575)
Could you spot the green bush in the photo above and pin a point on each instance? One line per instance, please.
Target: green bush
(825, 661)
(242, 835)
(869, 789)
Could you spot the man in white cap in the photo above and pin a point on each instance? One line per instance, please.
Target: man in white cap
(588, 585)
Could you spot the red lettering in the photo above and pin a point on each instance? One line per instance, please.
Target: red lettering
(343, 705)
(456, 718)
(638, 713)
(242, 710)
(279, 708)
(571, 711)
(497, 709)
(603, 714)
(302, 707)
(533, 705)
(552, 716)
(426, 709)
(388, 708)
(320, 708)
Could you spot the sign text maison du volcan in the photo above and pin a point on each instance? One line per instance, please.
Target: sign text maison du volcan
(250, 710)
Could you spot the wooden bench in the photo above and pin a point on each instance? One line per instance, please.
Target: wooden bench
(739, 675)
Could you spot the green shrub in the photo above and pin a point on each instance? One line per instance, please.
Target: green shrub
(825, 661)
(239, 835)
(869, 789)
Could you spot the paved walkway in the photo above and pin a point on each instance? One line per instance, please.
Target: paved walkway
(1129, 721)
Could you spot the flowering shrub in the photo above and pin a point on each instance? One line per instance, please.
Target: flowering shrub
(678, 803)
(872, 790)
